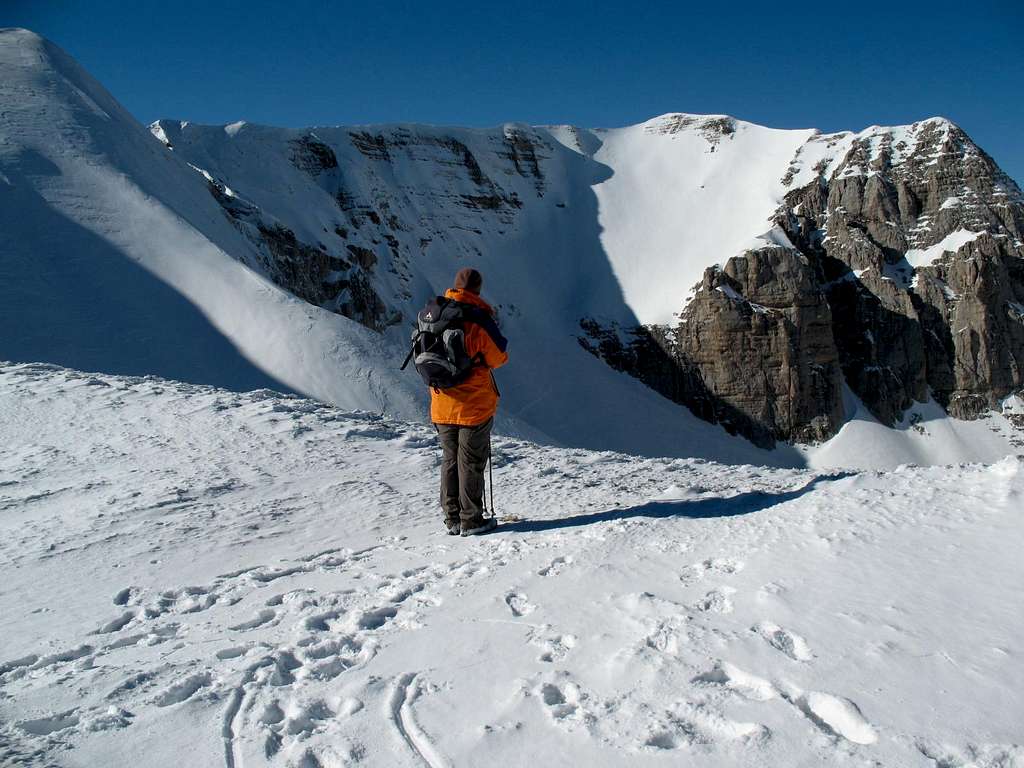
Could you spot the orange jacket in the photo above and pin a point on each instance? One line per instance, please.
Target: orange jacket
(475, 400)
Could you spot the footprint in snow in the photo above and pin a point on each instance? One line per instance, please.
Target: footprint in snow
(62, 657)
(115, 625)
(667, 635)
(272, 713)
(44, 726)
(556, 566)
(233, 652)
(306, 718)
(554, 647)
(785, 641)
(374, 618)
(19, 665)
(294, 720)
(292, 596)
(519, 604)
(263, 617)
(154, 636)
(835, 716)
(718, 565)
(564, 702)
(716, 601)
(325, 660)
(399, 593)
(321, 622)
(184, 600)
(692, 724)
(183, 689)
(747, 685)
(113, 718)
(281, 666)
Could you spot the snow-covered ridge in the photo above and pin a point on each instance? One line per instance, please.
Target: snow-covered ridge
(706, 191)
(277, 590)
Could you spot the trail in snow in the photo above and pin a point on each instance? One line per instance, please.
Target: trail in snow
(256, 579)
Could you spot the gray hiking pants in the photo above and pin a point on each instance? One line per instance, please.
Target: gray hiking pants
(462, 470)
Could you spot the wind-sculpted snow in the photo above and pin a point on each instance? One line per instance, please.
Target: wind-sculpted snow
(259, 579)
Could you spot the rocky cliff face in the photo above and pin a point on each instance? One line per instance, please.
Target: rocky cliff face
(899, 271)
(893, 264)
(372, 223)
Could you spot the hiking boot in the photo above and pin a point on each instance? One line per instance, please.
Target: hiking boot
(487, 524)
(454, 527)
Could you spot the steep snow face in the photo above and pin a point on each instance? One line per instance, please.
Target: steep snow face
(278, 591)
(686, 192)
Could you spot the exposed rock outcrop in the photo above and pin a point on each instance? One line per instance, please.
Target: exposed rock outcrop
(901, 273)
(753, 351)
(312, 273)
(760, 332)
(312, 155)
(914, 319)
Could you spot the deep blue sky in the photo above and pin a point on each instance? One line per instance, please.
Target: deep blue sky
(828, 64)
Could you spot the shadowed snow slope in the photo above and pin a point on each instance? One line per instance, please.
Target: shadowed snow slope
(259, 579)
(114, 255)
(184, 252)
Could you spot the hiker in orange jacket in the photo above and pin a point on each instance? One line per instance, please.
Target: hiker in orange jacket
(464, 414)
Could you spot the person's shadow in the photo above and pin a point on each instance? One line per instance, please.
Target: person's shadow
(741, 504)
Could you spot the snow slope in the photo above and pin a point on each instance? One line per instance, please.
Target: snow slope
(687, 191)
(626, 224)
(925, 436)
(117, 258)
(258, 579)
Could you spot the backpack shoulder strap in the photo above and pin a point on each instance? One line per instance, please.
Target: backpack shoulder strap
(485, 320)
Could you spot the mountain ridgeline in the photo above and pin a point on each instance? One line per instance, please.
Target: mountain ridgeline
(666, 287)
(895, 266)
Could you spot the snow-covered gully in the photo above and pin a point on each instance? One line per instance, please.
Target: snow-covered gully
(202, 577)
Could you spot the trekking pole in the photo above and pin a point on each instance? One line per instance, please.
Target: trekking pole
(490, 467)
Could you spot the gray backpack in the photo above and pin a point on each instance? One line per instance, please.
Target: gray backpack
(439, 344)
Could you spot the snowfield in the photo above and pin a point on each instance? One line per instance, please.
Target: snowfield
(216, 573)
(195, 576)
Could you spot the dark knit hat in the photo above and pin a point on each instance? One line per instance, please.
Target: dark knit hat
(469, 279)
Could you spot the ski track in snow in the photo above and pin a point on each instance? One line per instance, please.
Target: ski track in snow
(275, 569)
(405, 693)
